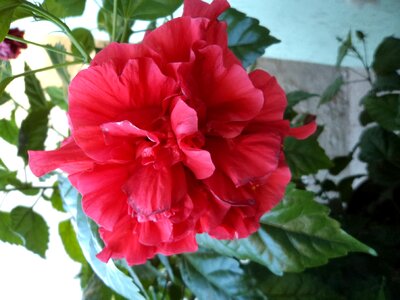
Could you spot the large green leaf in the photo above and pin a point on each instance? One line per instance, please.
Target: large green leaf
(380, 150)
(32, 227)
(6, 233)
(305, 156)
(211, 276)
(7, 8)
(246, 37)
(70, 242)
(34, 91)
(143, 9)
(297, 234)
(33, 132)
(387, 56)
(65, 8)
(384, 110)
(85, 38)
(108, 273)
(332, 90)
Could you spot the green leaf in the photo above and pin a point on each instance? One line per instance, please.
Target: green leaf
(123, 28)
(5, 69)
(4, 98)
(344, 49)
(96, 290)
(299, 286)
(85, 38)
(65, 8)
(55, 198)
(108, 273)
(332, 90)
(298, 96)
(380, 150)
(305, 156)
(33, 132)
(4, 83)
(59, 58)
(32, 227)
(340, 163)
(143, 9)
(211, 276)
(57, 97)
(34, 91)
(7, 8)
(246, 37)
(9, 131)
(6, 233)
(297, 234)
(384, 110)
(387, 82)
(70, 242)
(387, 56)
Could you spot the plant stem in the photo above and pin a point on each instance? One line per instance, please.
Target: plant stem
(47, 68)
(114, 28)
(26, 188)
(50, 17)
(47, 47)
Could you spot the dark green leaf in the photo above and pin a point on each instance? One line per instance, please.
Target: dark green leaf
(365, 118)
(299, 286)
(344, 49)
(387, 82)
(384, 110)
(380, 150)
(57, 97)
(34, 91)
(32, 227)
(296, 234)
(96, 290)
(305, 156)
(9, 131)
(4, 97)
(143, 9)
(5, 75)
(7, 8)
(70, 242)
(360, 35)
(387, 56)
(332, 90)
(85, 38)
(340, 163)
(4, 83)
(6, 176)
(246, 37)
(65, 8)
(6, 233)
(108, 273)
(211, 276)
(59, 58)
(33, 132)
(298, 96)
(56, 200)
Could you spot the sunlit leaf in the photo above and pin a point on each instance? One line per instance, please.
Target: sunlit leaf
(65, 8)
(6, 233)
(246, 37)
(7, 8)
(71, 245)
(85, 38)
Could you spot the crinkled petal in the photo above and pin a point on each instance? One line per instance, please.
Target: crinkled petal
(154, 233)
(199, 8)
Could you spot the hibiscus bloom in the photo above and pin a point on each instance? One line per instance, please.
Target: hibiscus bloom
(171, 138)
(9, 48)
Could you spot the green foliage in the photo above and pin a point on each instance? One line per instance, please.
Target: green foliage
(384, 110)
(332, 90)
(5, 77)
(34, 91)
(6, 233)
(85, 38)
(387, 56)
(65, 8)
(4, 97)
(123, 26)
(211, 276)
(296, 234)
(297, 96)
(57, 97)
(246, 37)
(108, 273)
(59, 58)
(70, 242)
(9, 130)
(32, 227)
(305, 156)
(143, 9)
(344, 49)
(7, 8)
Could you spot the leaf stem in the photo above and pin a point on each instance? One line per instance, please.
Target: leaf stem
(50, 17)
(47, 47)
(26, 188)
(114, 28)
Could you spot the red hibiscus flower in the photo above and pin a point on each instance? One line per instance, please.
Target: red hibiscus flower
(171, 138)
(9, 48)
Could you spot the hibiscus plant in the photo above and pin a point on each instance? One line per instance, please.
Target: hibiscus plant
(183, 175)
